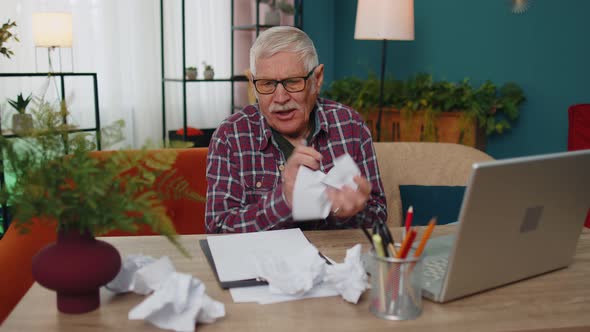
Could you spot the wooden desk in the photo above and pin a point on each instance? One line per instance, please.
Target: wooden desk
(554, 301)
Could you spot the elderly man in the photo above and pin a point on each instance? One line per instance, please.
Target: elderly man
(255, 154)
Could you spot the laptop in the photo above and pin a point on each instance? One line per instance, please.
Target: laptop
(519, 218)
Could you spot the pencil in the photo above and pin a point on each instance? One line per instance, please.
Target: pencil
(409, 216)
(368, 236)
(403, 252)
(378, 244)
(392, 250)
(425, 237)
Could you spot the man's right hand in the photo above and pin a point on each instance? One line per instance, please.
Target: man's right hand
(302, 155)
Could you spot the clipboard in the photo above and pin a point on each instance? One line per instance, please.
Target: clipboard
(237, 283)
(227, 284)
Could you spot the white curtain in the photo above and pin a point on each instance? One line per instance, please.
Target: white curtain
(120, 41)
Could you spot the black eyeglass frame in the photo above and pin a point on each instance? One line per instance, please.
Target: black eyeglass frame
(276, 83)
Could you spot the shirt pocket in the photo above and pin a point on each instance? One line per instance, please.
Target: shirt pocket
(258, 185)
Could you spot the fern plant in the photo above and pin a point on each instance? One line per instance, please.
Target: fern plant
(60, 180)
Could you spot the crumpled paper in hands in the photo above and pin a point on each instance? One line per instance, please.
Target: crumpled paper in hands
(310, 200)
(178, 300)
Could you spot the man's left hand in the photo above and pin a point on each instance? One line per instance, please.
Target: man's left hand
(348, 202)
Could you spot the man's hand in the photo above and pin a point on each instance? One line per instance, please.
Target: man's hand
(302, 155)
(348, 202)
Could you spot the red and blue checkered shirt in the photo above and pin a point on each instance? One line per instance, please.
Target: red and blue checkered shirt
(244, 169)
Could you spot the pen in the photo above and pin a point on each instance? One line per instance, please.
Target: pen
(388, 244)
(385, 239)
(425, 237)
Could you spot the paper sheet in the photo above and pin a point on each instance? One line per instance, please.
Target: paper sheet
(262, 294)
(235, 254)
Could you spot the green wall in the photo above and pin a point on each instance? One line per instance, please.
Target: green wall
(545, 50)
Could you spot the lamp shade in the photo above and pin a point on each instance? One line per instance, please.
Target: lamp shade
(52, 29)
(385, 19)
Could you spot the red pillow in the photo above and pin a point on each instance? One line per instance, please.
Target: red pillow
(190, 131)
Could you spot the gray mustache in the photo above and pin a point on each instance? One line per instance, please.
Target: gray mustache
(286, 107)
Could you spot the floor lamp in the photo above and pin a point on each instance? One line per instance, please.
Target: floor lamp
(51, 31)
(384, 20)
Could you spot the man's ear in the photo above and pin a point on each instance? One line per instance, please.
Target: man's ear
(251, 87)
(319, 74)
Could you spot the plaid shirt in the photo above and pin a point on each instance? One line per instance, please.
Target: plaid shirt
(244, 169)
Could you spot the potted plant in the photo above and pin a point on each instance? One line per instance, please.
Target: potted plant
(421, 109)
(208, 73)
(21, 121)
(60, 182)
(273, 16)
(190, 73)
(5, 36)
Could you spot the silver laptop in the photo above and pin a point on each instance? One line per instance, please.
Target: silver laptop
(520, 217)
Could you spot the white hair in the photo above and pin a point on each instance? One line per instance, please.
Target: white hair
(283, 39)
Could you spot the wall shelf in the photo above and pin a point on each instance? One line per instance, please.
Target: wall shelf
(235, 78)
(9, 134)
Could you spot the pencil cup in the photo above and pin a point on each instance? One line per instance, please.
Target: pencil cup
(396, 286)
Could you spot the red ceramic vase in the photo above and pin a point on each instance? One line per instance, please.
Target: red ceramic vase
(76, 266)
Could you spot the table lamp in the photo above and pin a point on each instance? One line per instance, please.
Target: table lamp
(52, 30)
(384, 20)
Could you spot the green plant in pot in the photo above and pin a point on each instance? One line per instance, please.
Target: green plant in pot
(62, 181)
(208, 72)
(423, 104)
(190, 73)
(21, 121)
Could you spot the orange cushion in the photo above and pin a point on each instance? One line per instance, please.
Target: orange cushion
(188, 216)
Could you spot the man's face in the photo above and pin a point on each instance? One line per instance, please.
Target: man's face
(288, 112)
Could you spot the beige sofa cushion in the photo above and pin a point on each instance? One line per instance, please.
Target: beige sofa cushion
(421, 163)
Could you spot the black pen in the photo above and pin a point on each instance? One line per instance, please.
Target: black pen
(385, 238)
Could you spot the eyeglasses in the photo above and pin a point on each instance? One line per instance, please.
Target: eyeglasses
(291, 84)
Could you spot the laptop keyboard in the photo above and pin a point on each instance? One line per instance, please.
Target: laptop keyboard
(434, 268)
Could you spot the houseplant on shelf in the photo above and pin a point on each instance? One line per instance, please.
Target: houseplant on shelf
(208, 72)
(273, 16)
(421, 109)
(21, 121)
(190, 73)
(62, 182)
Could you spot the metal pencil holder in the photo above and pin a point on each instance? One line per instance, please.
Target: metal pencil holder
(396, 286)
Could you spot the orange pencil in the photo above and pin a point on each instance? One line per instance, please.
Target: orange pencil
(403, 252)
(425, 237)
